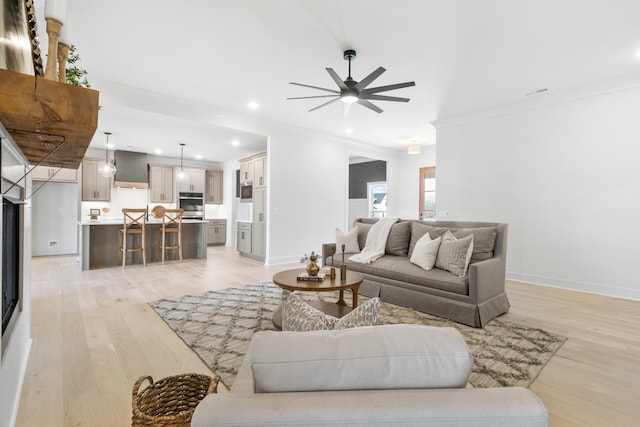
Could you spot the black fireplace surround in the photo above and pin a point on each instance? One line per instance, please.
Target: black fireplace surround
(10, 259)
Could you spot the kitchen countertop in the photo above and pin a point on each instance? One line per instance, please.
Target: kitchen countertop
(150, 221)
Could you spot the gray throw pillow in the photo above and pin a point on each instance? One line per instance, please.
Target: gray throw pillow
(454, 254)
(363, 230)
(398, 239)
(484, 241)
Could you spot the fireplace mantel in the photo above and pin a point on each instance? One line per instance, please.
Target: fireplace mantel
(41, 114)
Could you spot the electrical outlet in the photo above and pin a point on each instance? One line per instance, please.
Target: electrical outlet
(54, 243)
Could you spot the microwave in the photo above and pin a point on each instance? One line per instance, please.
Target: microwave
(246, 193)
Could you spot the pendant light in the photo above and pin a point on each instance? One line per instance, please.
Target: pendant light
(108, 169)
(181, 175)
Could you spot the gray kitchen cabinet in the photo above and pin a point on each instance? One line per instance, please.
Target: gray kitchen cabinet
(217, 232)
(193, 181)
(160, 184)
(260, 171)
(246, 171)
(49, 173)
(95, 187)
(258, 233)
(243, 241)
(213, 187)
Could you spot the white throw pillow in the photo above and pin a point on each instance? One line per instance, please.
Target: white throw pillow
(425, 252)
(299, 316)
(454, 254)
(349, 239)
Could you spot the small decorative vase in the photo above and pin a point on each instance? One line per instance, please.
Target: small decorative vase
(312, 268)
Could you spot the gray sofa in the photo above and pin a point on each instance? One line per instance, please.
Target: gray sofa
(473, 299)
(390, 375)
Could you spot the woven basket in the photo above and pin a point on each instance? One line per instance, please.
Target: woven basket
(170, 402)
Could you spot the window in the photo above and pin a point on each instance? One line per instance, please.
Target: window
(427, 205)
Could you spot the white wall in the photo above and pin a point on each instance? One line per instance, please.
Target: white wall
(307, 181)
(564, 177)
(408, 180)
(13, 362)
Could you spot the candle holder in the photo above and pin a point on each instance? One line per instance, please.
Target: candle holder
(53, 31)
(63, 54)
(343, 267)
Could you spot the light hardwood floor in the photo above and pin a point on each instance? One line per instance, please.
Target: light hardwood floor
(94, 335)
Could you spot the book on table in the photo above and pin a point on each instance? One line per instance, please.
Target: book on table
(305, 277)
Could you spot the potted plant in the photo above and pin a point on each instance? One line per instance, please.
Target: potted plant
(312, 265)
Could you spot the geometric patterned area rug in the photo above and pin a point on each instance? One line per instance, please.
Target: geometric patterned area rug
(218, 326)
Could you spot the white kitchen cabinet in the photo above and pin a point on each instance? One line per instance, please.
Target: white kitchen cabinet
(217, 232)
(193, 181)
(160, 184)
(213, 187)
(49, 173)
(95, 187)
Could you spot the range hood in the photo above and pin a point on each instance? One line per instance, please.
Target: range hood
(51, 122)
(131, 170)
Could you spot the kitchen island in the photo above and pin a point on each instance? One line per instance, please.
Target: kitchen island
(98, 242)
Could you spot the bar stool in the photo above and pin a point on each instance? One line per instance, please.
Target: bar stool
(171, 225)
(135, 221)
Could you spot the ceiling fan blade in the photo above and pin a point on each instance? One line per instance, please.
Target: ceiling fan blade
(390, 87)
(326, 103)
(369, 105)
(347, 108)
(315, 87)
(309, 97)
(336, 78)
(374, 97)
(370, 78)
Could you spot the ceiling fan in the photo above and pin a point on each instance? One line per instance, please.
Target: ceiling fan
(352, 91)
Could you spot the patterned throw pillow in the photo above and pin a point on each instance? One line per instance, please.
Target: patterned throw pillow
(454, 254)
(299, 316)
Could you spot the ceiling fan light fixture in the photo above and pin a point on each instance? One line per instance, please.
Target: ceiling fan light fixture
(414, 149)
(349, 98)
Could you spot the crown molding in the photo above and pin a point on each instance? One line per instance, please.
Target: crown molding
(545, 100)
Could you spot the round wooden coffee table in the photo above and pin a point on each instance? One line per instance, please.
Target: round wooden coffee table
(288, 280)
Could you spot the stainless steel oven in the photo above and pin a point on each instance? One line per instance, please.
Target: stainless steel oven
(193, 205)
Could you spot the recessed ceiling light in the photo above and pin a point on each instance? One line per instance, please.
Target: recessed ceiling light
(158, 151)
(253, 105)
(198, 156)
(638, 54)
(348, 130)
(235, 143)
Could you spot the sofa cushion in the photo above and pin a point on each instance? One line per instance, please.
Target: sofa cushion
(454, 254)
(349, 239)
(484, 241)
(298, 315)
(425, 252)
(402, 270)
(363, 230)
(370, 358)
(418, 229)
(398, 239)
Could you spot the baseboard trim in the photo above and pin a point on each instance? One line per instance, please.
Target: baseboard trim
(23, 372)
(591, 288)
